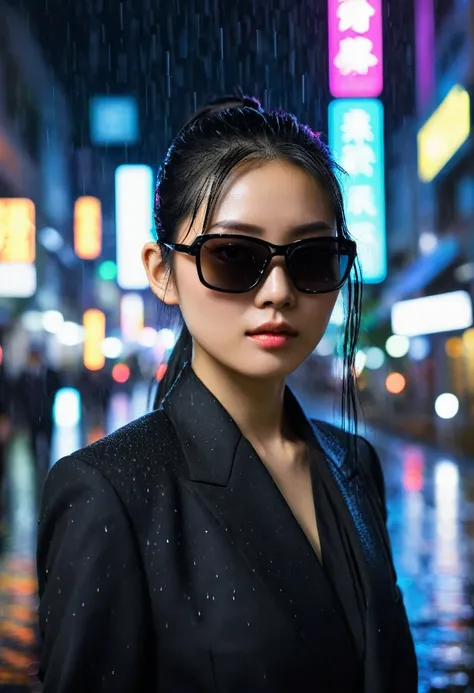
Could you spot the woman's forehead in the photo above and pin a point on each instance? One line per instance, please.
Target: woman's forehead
(274, 195)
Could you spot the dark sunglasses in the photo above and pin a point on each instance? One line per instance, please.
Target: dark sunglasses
(235, 264)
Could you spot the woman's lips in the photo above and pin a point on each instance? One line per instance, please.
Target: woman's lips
(271, 340)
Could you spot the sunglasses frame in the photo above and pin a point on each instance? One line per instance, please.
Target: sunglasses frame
(346, 247)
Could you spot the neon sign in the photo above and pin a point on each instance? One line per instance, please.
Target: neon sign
(356, 138)
(355, 48)
(134, 222)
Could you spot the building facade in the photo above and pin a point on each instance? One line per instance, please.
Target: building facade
(35, 154)
(430, 217)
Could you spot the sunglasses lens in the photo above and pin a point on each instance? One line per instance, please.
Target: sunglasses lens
(232, 264)
(319, 266)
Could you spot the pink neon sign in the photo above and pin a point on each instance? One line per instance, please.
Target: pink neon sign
(355, 48)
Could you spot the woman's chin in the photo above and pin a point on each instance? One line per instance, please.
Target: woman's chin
(267, 365)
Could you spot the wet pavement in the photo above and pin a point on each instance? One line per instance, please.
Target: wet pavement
(431, 522)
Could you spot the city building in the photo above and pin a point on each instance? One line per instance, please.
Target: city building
(430, 221)
(35, 181)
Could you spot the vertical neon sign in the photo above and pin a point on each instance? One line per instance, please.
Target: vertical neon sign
(134, 222)
(355, 48)
(356, 137)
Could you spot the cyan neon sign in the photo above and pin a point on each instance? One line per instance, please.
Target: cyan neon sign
(356, 138)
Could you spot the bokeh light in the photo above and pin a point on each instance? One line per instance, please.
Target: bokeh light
(32, 321)
(419, 348)
(148, 337)
(53, 320)
(167, 338)
(395, 383)
(468, 339)
(447, 405)
(360, 362)
(397, 346)
(112, 347)
(121, 373)
(375, 358)
(71, 334)
(160, 371)
(454, 347)
(108, 271)
(67, 407)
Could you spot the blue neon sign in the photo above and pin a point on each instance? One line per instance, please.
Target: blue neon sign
(114, 120)
(357, 140)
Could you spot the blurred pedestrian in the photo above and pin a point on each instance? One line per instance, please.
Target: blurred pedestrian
(5, 433)
(95, 388)
(35, 392)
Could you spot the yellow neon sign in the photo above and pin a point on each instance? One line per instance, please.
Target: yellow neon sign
(443, 133)
(17, 231)
(94, 335)
(87, 228)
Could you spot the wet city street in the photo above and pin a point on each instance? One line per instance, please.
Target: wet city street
(431, 522)
(285, 188)
(18, 603)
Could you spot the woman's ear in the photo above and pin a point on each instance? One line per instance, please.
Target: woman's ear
(160, 279)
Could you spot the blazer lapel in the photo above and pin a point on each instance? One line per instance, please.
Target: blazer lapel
(227, 475)
(359, 516)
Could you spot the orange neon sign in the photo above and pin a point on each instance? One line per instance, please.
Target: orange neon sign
(17, 231)
(88, 228)
(94, 335)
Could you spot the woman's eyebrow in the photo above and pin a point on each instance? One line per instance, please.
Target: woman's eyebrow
(245, 227)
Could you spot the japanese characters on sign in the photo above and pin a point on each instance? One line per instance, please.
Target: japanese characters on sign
(355, 48)
(356, 137)
(17, 231)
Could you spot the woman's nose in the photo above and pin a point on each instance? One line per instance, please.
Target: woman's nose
(276, 288)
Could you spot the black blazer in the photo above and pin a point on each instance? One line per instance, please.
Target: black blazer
(159, 570)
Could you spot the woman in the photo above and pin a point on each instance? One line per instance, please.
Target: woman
(224, 543)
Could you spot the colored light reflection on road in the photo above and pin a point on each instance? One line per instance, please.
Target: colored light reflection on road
(18, 605)
(413, 470)
(447, 566)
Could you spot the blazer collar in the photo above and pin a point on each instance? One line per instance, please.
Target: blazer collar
(210, 437)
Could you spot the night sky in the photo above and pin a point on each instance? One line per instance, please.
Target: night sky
(175, 54)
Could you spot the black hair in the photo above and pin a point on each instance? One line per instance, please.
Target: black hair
(217, 138)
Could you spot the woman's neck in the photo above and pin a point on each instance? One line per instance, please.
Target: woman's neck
(256, 405)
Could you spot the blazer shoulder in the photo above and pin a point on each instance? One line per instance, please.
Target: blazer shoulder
(146, 444)
(346, 440)
(368, 458)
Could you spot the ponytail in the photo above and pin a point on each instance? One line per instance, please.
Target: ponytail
(180, 355)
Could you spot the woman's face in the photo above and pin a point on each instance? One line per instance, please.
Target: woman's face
(269, 201)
